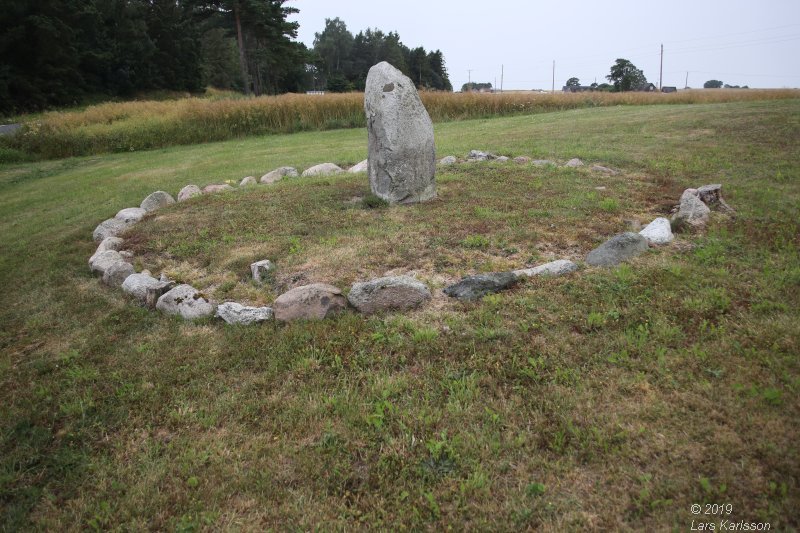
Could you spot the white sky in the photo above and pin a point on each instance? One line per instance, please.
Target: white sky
(741, 42)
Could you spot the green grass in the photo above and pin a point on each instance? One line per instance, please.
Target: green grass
(609, 399)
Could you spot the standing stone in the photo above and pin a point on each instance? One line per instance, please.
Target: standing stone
(402, 155)
(617, 249)
(310, 302)
(658, 231)
(190, 191)
(157, 200)
(393, 293)
(278, 173)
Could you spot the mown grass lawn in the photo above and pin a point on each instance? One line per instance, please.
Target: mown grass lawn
(613, 398)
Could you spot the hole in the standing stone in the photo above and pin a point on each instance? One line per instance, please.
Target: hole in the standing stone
(389, 87)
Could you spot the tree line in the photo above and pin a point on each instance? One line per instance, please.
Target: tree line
(344, 59)
(66, 52)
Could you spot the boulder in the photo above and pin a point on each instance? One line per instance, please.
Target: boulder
(573, 163)
(109, 228)
(393, 293)
(692, 212)
(187, 302)
(359, 167)
(137, 285)
(617, 249)
(658, 231)
(501, 159)
(249, 180)
(116, 274)
(402, 155)
(522, 159)
(323, 169)
(279, 173)
(543, 163)
(559, 267)
(478, 286)
(478, 155)
(448, 160)
(109, 243)
(236, 313)
(711, 195)
(102, 261)
(131, 215)
(157, 200)
(217, 187)
(262, 270)
(315, 301)
(190, 191)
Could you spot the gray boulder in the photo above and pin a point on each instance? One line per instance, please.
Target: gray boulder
(448, 160)
(279, 173)
(137, 285)
(187, 302)
(117, 273)
(402, 155)
(102, 261)
(617, 249)
(261, 270)
(314, 302)
(559, 267)
(711, 195)
(501, 159)
(249, 180)
(359, 167)
(190, 191)
(692, 212)
(109, 228)
(323, 169)
(658, 231)
(157, 200)
(236, 313)
(478, 286)
(478, 155)
(217, 187)
(522, 159)
(109, 243)
(131, 215)
(394, 293)
(574, 163)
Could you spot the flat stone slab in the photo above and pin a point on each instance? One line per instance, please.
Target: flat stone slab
(392, 293)
(659, 231)
(278, 174)
(236, 313)
(310, 302)
(157, 200)
(559, 267)
(617, 249)
(479, 285)
(186, 302)
(323, 169)
(190, 191)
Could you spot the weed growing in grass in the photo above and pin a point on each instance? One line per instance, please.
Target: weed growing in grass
(475, 241)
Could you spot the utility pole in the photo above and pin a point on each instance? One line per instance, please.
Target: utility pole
(686, 86)
(553, 89)
(661, 69)
(502, 71)
(469, 79)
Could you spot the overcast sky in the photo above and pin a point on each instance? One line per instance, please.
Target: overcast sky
(740, 42)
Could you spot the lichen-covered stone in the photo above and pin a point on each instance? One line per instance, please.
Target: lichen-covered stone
(186, 302)
(393, 293)
(315, 301)
(479, 285)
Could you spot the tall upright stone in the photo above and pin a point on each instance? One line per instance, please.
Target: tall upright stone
(402, 155)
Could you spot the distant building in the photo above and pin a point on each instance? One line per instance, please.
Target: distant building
(647, 88)
(576, 88)
(669, 89)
